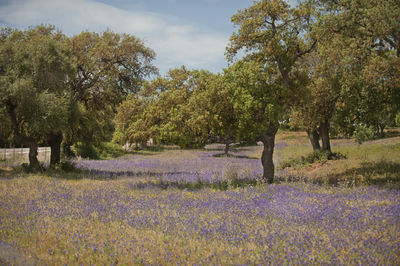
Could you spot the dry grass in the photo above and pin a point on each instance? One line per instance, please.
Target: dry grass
(373, 162)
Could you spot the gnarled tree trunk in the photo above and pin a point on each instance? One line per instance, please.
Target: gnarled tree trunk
(324, 133)
(33, 152)
(314, 139)
(55, 146)
(268, 139)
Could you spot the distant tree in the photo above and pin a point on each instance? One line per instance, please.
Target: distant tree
(156, 111)
(187, 107)
(133, 122)
(212, 110)
(277, 36)
(35, 67)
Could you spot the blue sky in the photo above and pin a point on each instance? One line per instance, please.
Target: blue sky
(193, 33)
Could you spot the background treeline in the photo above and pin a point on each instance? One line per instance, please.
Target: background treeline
(58, 89)
(330, 67)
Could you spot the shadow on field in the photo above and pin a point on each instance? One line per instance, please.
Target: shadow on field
(382, 172)
(379, 173)
(391, 133)
(229, 155)
(198, 185)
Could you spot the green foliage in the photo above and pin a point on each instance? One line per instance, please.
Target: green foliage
(86, 150)
(65, 166)
(276, 37)
(103, 150)
(397, 120)
(110, 150)
(364, 133)
(109, 66)
(35, 68)
(187, 107)
(368, 58)
(254, 98)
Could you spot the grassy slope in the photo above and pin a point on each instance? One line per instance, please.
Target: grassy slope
(373, 162)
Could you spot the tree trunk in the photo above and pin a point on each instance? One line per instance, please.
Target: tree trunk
(314, 139)
(381, 128)
(55, 146)
(268, 139)
(324, 133)
(33, 152)
(226, 150)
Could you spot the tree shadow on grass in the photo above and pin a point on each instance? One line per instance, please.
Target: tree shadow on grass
(381, 173)
(375, 173)
(391, 134)
(74, 173)
(230, 155)
(156, 182)
(222, 185)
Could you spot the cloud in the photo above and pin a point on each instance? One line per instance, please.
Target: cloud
(175, 42)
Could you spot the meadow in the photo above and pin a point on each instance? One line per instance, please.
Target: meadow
(191, 207)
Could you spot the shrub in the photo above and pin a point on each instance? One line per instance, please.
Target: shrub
(110, 150)
(86, 150)
(316, 156)
(104, 150)
(397, 120)
(65, 166)
(364, 133)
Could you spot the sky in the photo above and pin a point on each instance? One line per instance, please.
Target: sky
(193, 33)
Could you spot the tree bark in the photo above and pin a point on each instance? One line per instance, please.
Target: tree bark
(33, 152)
(55, 146)
(314, 139)
(268, 139)
(324, 133)
(380, 130)
(33, 147)
(226, 150)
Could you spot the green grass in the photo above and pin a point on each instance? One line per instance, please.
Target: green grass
(373, 162)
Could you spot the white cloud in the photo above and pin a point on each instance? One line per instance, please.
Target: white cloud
(174, 42)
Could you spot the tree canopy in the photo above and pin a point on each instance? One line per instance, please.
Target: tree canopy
(35, 68)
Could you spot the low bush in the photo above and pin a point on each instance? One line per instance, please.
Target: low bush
(104, 150)
(65, 166)
(87, 151)
(364, 133)
(316, 156)
(110, 150)
(397, 119)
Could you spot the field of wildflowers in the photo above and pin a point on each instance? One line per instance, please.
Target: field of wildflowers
(180, 168)
(129, 216)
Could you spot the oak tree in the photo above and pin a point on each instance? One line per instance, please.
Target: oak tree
(277, 35)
